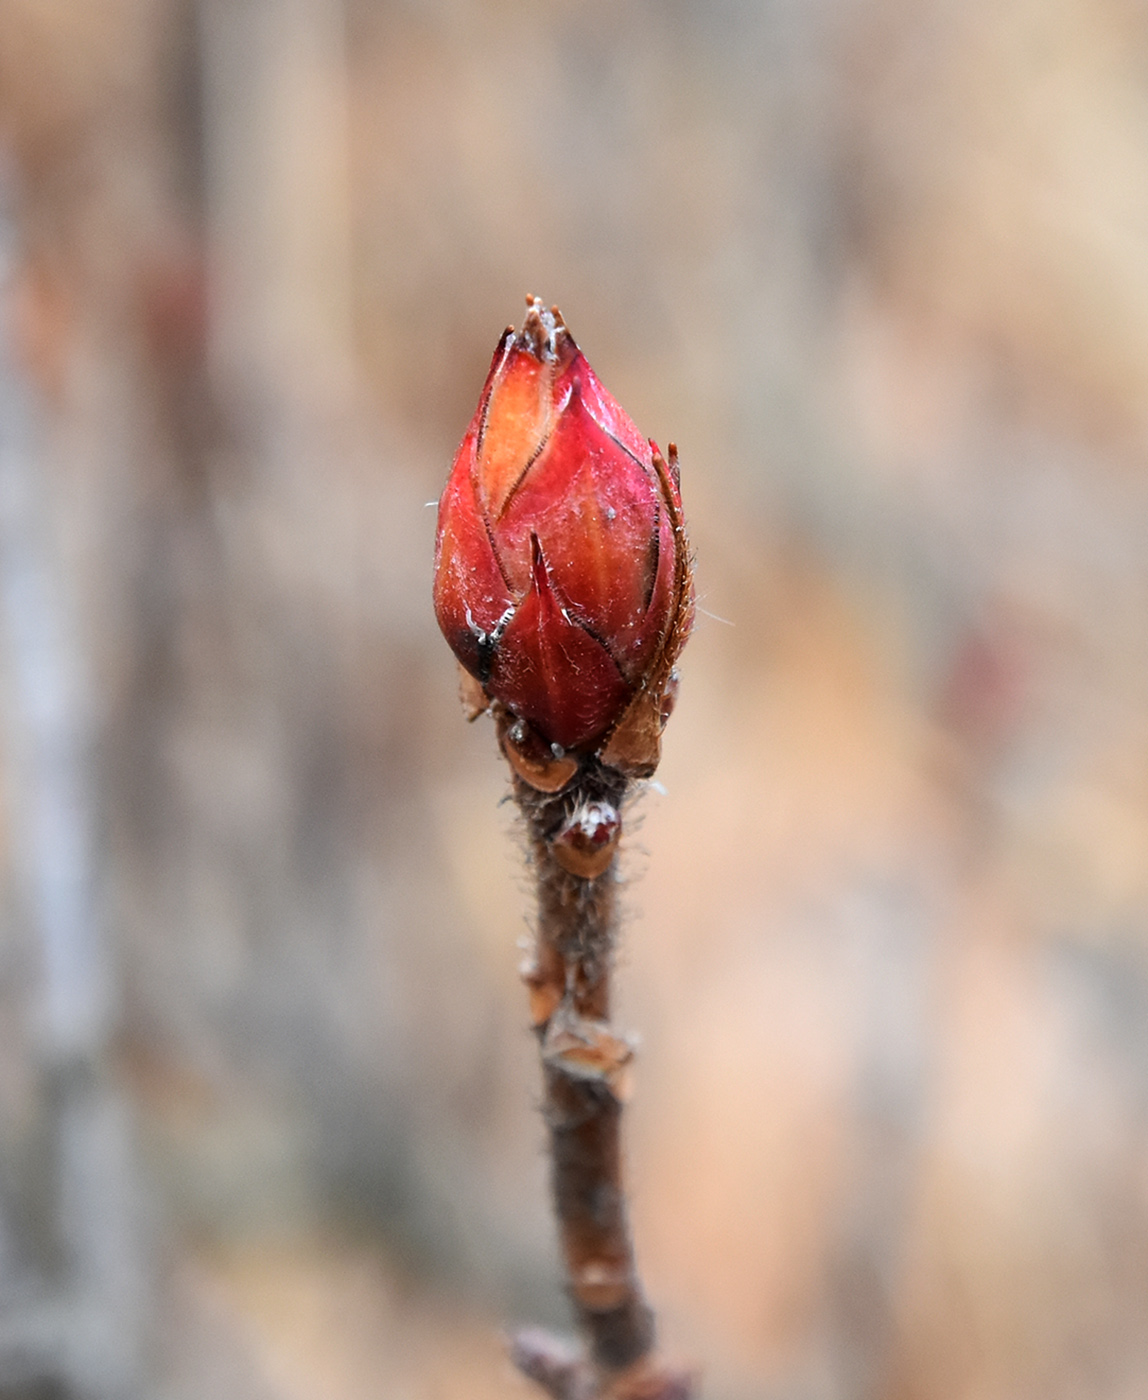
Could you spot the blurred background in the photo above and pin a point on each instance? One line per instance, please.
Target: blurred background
(268, 1123)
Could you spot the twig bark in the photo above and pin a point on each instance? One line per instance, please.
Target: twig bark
(586, 1071)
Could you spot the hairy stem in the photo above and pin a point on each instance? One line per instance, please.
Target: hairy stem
(585, 1063)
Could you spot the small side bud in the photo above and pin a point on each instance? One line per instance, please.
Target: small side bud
(585, 844)
(544, 766)
(589, 1050)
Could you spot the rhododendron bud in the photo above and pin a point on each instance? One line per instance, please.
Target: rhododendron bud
(562, 577)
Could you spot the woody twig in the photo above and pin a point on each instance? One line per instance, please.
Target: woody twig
(563, 584)
(586, 1070)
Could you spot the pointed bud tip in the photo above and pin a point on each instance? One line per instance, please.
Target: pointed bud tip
(544, 332)
(538, 570)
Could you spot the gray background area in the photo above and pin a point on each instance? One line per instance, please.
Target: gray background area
(267, 1100)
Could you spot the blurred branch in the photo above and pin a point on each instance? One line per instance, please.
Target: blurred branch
(78, 1319)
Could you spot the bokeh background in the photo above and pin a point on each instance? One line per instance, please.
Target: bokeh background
(267, 1099)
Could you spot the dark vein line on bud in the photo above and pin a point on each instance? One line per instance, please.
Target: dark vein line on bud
(656, 551)
(657, 543)
(619, 443)
(534, 456)
(596, 637)
(567, 608)
(486, 525)
(484, 404)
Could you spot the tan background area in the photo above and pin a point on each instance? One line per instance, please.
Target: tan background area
(880, 268)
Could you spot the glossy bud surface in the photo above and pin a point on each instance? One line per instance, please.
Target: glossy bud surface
(562, 578)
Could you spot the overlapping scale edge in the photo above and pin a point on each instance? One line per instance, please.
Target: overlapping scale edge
(597, 512)
(516, 421)
(634, 744)
(685, 607)
(550, 671)
(470, 593)
(607, 412)
(648, 636)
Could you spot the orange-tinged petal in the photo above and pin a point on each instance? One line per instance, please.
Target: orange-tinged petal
(518, 418)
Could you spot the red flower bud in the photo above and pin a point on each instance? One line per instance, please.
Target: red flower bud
(562, 578)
